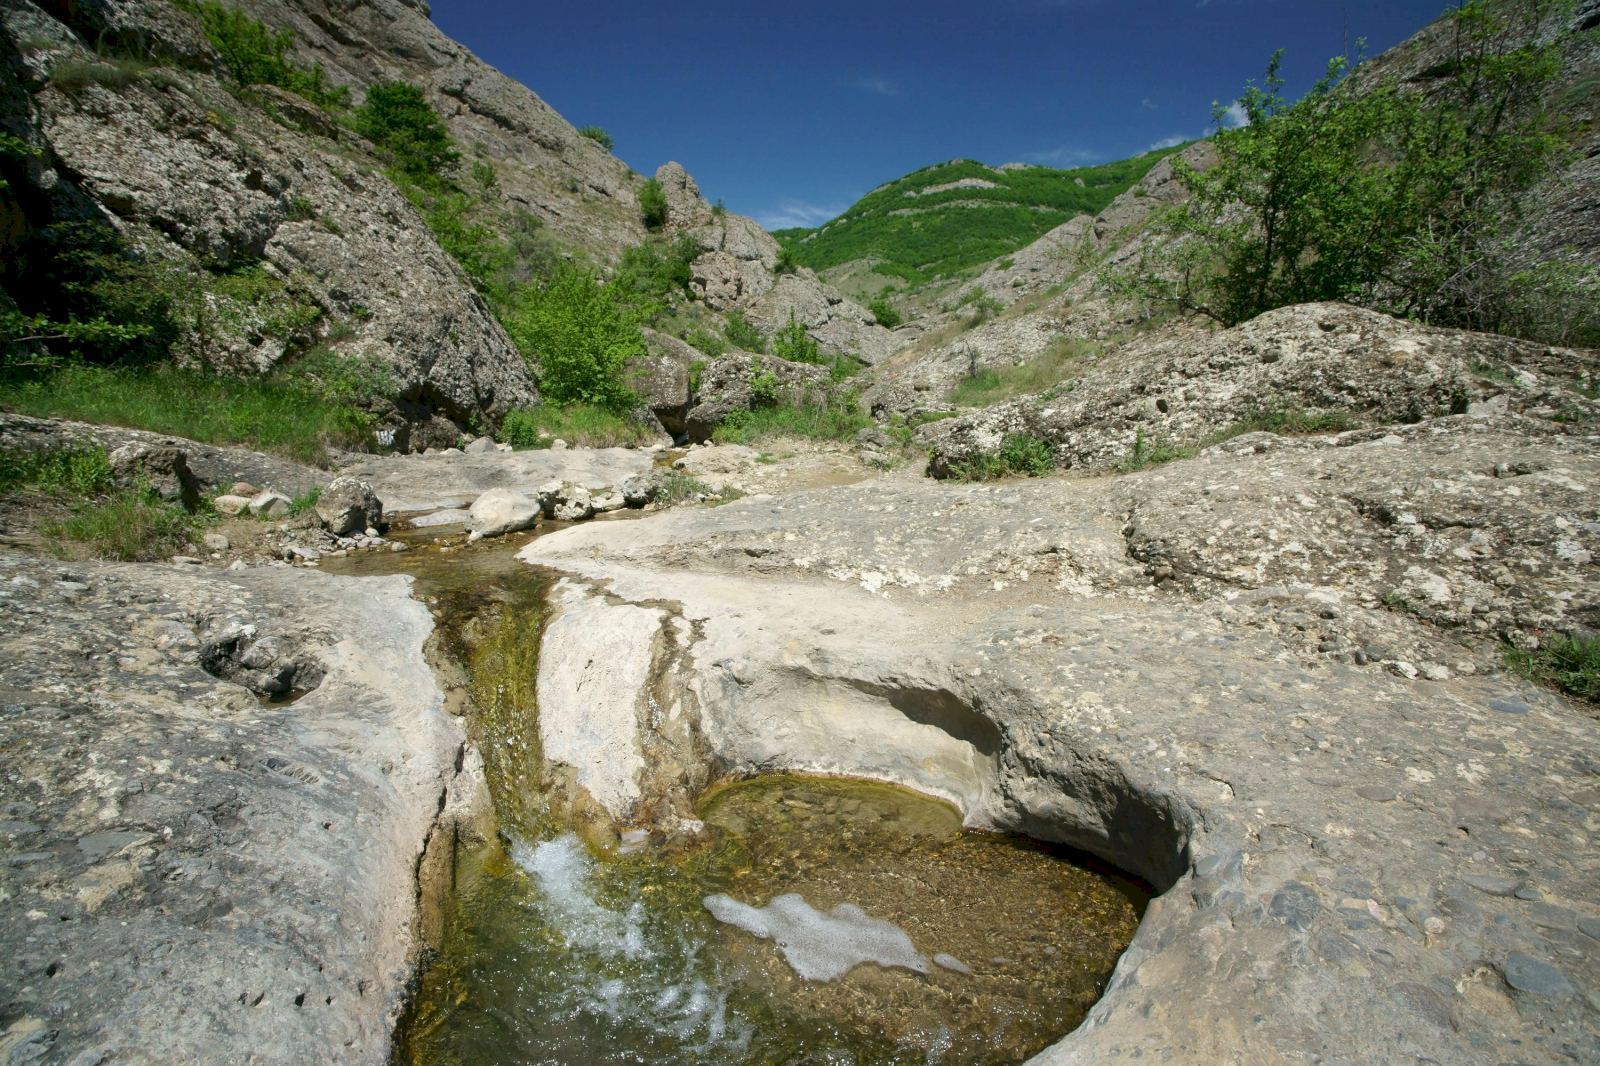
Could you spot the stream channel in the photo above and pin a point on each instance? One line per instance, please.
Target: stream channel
(820, 920)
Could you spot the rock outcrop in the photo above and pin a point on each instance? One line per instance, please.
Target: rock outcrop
(1315, 358)
(740, 381)
(1256, 678)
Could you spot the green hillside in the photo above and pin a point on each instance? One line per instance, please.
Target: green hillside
(919, 235)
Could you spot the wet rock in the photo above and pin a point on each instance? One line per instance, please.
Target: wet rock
(501, 511)
(347, 505)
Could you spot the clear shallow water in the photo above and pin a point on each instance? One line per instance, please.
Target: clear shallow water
(555, 953)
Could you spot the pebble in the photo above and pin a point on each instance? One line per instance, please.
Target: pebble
(950, 962)
(1493, 884)
(1527, 974)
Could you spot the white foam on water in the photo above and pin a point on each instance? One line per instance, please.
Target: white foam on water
(654, 981)
(821, 946)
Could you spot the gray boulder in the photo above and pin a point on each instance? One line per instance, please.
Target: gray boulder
(162, 467)
(566, 501)
(500, 511)
(661, 378)
(641, 489)
(739, 381)
(270, 504)
(348, 505)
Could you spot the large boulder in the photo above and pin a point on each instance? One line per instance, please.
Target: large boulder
(348, 505)
(566, 501)
(739, 381)
(501, 511)
(838, 325)
(661, 378)
(162, 467)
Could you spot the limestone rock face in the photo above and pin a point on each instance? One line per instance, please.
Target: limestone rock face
(348, 505)
(839, 325)
(162, 467)
(726, 385)
(686, 208)
(1328, 358)
(661, 378)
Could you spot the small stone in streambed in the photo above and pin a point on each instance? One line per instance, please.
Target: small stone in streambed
(1527, 974)
(950, 962)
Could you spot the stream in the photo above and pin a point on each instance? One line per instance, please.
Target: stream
(823, 920)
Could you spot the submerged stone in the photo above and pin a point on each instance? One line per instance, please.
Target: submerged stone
(821, 946)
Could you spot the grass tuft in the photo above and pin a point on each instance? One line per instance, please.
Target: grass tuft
(814, 421)
(1020, 455)
(127, 526)
(581, 425)
(1564, 663)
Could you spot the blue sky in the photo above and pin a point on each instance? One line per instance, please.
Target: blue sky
(791, 111)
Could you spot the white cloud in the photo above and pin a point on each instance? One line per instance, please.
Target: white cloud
(789, 214)
(1146, 103)
(1235, 116)
(878, 85)
(1168, 142)
(1067, 155)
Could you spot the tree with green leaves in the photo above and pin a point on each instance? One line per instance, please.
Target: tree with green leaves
(257, 56)
(578, 336)
(396, 116)
(653, 204)
(1367, 189)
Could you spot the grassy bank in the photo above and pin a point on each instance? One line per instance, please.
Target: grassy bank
(269, 415)
(582, 425)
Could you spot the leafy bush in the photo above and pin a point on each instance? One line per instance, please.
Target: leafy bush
(743, 334)
(763, 384)
(257, 56)
(786, 263)
(793, 343)
(648, 275)
(356, 380)
(577, 336)
(485, 175)
(884, 312)
(397, 117)
(653, 204)
(589, 427)
(1372, 192)
(1562, 662)
(1020, 455)
(704, 341)
(598, 136)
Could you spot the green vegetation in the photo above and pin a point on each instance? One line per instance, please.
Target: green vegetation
(68, 472)
(1286, 422)
(838, 421)
(884, 312)
(397, 117)
(743, 334)
(257, 56)
(649, 276)
(1020, 455)
(988, 386)
(1374, 193)
(1562, 662)
(126, 525)
(582, 425)
(940, 235)
(104, 521)
(277, 415)
(1146, 454)
(598, 136)
(679, 488)
(653, 204)
(582, 334)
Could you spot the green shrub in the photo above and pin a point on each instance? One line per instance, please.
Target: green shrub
(1020, 455)
(696, 368)
(257, 56)
(72, 472)
(577, 336)
(743, 334)
(598, 136)
(653, 204)
(650, 274)
(763, 384)
(793, 343)
(485, 175)
(128, 526)
(885, 313)
(585, 426)
(357, 380)
(705, 341)
(1562, 662)
(397, 117)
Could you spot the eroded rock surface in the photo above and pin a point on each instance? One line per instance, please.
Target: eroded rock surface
(1377, 835)
(414, 483)
(192, 874)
